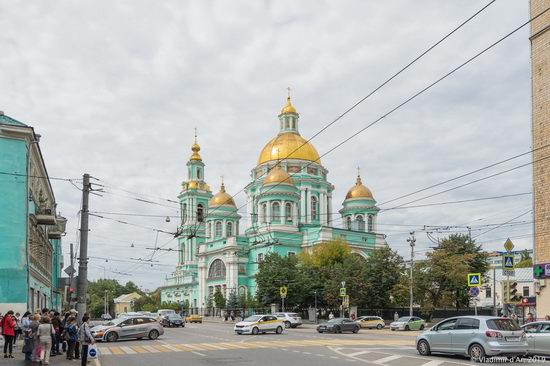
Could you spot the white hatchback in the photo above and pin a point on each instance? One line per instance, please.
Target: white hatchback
(291, 320)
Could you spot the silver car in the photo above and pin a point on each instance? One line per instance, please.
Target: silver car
(475, 336)
(129, 327)
(538, 337)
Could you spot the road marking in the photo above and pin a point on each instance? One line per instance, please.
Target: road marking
(116, 351)
(355, 354)
(434, 363)
(128, 350)
(388, 359)
(139, 349)
(233, 345)
(160, 348)
(97, 363)
(212, 346)
(193, 346)
(151, 349)
(172, 348)
(104, 351)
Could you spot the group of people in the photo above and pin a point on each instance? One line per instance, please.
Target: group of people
(47, 333)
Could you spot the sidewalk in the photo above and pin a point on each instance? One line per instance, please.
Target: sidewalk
(20, 358)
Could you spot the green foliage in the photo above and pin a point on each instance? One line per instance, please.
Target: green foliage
(326, 254)
(232, 301)
(526, 260)
(219, 299)
(383, 269)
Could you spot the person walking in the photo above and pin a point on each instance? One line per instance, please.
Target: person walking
(17, 328)
(72, 336)
(64, 337)
(35, 323)
(85, 337)
(45, 334)
(27, 336)
(330, 316)
(395, 316)
(8, 331)
(56, 323)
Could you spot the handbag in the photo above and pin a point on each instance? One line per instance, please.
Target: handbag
(92, 351)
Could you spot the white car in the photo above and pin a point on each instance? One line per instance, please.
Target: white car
(291, 320)
(256, 324)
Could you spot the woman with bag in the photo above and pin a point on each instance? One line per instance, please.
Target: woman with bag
(72, 336)
(27, 335)
(8, 331)
(35, 323)
(45, 332)
(86, 338)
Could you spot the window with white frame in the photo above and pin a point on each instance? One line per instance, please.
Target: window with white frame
(264, 212)
(314, 208)
(288, 212)
(360, 223)
(275, 212)
(371, 223)
(348, 223)
(229, 229)
(200, 212)
(217, 269)
(208, 229)
(260, 257)
(218, 232)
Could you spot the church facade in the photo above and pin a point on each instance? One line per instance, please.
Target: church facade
(289, 209)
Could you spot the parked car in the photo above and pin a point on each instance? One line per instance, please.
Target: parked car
(339, 325)
(130, 327)
(291, 320)
(408, 323)
(474, 336)
(538, 337)
(194, 318)
(106, 317)
(371, 322)
(256, 324)
(173, 320)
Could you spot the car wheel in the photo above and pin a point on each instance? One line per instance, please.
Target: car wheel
(154, 334)
(407, 328)
(279, 330)
(337, 330)
(422, 327)
(287, 324)
(112, 337)
(476, 352)
(379, 326)
(423, 348)
(293, 326)
(255, 331)
(392, 329)
(319, 331)
(356, 329)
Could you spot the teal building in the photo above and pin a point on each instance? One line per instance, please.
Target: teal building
(30, 230)
(289, 210)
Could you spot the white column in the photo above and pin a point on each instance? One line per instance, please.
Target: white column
(224, 227)
(302, 205)
(323, 208)
(308, 206)
(295, 217)
(329, 209)
(268, 218)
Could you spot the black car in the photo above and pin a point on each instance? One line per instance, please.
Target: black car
(339, 325)
(173, 320)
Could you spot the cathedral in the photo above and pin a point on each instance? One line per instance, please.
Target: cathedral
(289, 209)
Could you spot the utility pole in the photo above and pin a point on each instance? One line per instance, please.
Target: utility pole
(71, 278)
(494, 292)
(411, 241)
(315, 292)
(82, 282)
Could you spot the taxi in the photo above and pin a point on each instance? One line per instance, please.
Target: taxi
(371, 322)
(194, 318)
(256, 324)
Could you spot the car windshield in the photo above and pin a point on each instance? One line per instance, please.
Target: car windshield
(253, 318)
(174, 316)
(335, 320)
(502, 324)
(115, 321)
(404, 319)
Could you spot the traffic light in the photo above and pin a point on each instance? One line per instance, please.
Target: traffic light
(514, 297)
(505, 291)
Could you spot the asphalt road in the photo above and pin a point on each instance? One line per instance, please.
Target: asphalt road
(216, 344)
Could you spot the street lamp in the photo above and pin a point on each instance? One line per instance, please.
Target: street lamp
(411, 241)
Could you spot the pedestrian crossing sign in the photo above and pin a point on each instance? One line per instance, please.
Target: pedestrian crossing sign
(508, 261)
(474, 279)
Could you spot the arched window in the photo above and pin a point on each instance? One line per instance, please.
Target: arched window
(217, 270)
(360, 223)
(208, 229)
(293, 124)
(287, 124)
(184, 213)
(218, 229)
(314, 208)
(348, 223)
(229, 229)
(198, 173)
(371, 223)
(276, 212)
(288, 212)
(200, 212)
(264, 212)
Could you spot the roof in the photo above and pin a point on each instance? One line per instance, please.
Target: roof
(6, 120)
(127, 297)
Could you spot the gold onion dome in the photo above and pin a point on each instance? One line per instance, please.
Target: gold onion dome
(288, 145)
(221, 198)
(195, 148)
(277, 175)
(288, 108)
(359, 190)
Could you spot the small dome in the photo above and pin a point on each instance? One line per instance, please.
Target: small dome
(195, 148)
(288, 108)
(359, 191)
(277, 175)
(288, 145)
(221, 198)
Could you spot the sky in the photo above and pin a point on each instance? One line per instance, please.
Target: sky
(117, 88)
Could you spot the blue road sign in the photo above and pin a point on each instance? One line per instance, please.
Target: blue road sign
(508, 261)
(473, 291)
(474, 279)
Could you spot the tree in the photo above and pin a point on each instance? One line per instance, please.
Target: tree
(526, 261)
(232, 300)
(219, 299)
(326, 254)
(383, 269)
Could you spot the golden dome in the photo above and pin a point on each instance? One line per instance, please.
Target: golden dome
(288, 108)
(195, 148)
(195, 184)
(221, 198)
(359, 191)
(277, 175)
(288, 145)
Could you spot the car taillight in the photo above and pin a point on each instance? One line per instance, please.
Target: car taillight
(493, 334)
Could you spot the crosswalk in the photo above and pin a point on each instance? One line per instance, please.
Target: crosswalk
(220, 346)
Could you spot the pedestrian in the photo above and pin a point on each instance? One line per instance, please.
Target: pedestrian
(27, 335)
(17, 328)
(45, 334)
(56, 323)
(74, 314)
(530, 318)
(232, 315)
(330, 316)
(8, 331)
(514, 317)
(64, 325)
(35, 323)
(395, 316)
(72, 336)
(85, 337)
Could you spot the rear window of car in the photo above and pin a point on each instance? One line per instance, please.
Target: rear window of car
(502, 324)
(293, 315)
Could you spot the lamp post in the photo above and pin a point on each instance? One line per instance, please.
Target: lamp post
(315, 293)
(411, 241)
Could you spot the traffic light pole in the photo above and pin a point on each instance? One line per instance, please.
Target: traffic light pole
(411, 241)
(82, 280)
